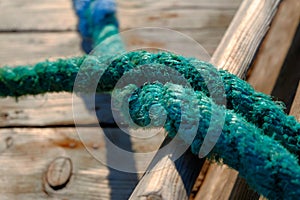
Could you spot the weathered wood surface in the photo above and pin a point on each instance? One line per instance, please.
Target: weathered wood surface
(36, 15)
(273, 51)
(43, 110)
(162, 183)
(57, 15)
(244, 35)
(27, 155)
(32, 31)
(29, 48)
(268, 63)
(215, 186)
(203, 20)
(289, 76)
(235, 53)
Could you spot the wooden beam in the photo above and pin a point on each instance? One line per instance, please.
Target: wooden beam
(268, 63)
(244, 35)
(41, 163)
(49, 33)
(168, 179)
(273, 51)
(34, 30)
(58, 16)
(235, 53)
(282, 30)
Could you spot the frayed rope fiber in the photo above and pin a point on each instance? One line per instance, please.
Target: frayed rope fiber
(60, 75)
(257, 139)
(267, 166)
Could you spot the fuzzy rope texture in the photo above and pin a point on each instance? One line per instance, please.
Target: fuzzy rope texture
(60, 75)
(257, 139)
(242, 145)
(267, 166)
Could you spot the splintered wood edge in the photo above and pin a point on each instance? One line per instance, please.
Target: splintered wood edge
(235, 53)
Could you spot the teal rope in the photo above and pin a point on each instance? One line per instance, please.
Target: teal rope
(267, 166)
(241, 97)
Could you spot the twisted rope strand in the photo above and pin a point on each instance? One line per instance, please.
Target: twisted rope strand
(267, 166)
(60, 75)
(252, 149)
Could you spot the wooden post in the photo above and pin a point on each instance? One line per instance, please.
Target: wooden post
(235, 54)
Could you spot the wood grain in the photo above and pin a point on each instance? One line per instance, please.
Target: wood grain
(165, 186)
(242, 46)
(57, 15)
(29, 48)
(268, 63)
(235, 53)
(44, 110)
(205, 21)
(27, 153)
(244, 36)
(39, 42)
(35, 15)
(45, 29)
(273, 51)
(56, 109)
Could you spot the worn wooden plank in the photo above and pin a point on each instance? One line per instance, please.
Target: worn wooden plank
(289, 76)
(167, 178)
(29, 48)
(253, 19)
(43, 110)
(273, 51)
(20, 179)
(56, 109)
(242, 41)
(178, 19)
(35, 15)
(57, 15)
(235, 53)
(207, 17)
(208, 38)
(175, 4)
(268, 62)
(27, 154)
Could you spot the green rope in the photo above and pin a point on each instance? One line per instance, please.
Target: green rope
(241, 97)
(267, 166)
(258, 139)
